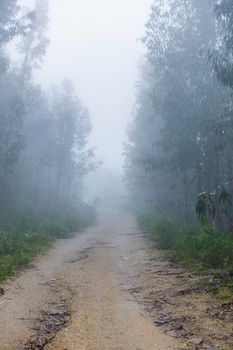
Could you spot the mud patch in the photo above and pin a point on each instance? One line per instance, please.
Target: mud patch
(48, 326)
(53, 318)
(83, 255)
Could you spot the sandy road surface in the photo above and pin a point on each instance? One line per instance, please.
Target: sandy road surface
(83, 283)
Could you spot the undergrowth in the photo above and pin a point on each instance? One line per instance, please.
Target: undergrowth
(23, 237)
(201, 245)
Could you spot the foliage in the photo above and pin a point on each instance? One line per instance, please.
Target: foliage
(9, 28)
(28, 236)
(205, 206)
(161, 226)
(213, 248)
(222, 55)
(201, 245)
(34, 42)
(209, 205)
(43, 144)
(180, 139)
(43, 135)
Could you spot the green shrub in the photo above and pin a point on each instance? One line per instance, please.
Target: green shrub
(6, 267)
(203, 246)
(54, 229)
(212, 247)
(161, 227)
(23, 238)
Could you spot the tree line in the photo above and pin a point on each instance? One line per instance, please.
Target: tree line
(179, 158)
(43, 135)
(44, 154)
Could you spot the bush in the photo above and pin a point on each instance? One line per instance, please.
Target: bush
(23, 238)
(161, 227)
(212, 247)
(201, 245)
(54, 229)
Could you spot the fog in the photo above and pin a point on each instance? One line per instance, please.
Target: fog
(72, 71)
(131, 138)
(96, 45)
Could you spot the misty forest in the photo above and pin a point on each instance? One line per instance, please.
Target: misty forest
(116, 212)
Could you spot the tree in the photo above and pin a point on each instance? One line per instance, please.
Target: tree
(9, 28)
(11, 106)
(34, 43)
(43, 137)
(72, 125)
(175, 148)
(223, 54)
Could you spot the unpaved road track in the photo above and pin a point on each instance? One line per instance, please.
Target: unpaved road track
(78, 296)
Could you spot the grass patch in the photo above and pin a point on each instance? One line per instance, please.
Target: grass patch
(22, 238)
(202, 246)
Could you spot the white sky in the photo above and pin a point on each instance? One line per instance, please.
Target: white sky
(94, 43)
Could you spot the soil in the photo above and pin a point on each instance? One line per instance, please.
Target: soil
(109, 288)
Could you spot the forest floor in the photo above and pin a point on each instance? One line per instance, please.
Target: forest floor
(109, 288)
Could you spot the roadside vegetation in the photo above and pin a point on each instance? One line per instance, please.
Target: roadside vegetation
(44, 153)
(179, 161)
(22, 238)
(202, 246)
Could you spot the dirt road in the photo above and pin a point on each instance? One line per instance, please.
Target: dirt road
(79, 296)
